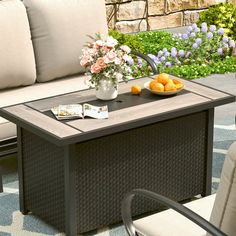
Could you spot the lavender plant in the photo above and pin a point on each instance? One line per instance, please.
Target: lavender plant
(199, 45)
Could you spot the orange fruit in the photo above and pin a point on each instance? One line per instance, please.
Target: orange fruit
(176, 81)
(136, 89)
(152, 84)
(178, 84)
(170, 86)
(158, 87)
(163, 78)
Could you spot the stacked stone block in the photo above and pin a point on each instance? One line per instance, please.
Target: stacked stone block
(141, 15)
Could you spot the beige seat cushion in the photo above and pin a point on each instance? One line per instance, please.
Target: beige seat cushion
(8, 129)
(59, 29)
(171, 223)
(36, 91)
(224, 210)
(17, 63)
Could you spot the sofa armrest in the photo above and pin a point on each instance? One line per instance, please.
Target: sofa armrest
(1, 186)
(8, 147)
(127, 218)
(148, 60)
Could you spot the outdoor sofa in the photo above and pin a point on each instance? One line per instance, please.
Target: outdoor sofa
(41, 42)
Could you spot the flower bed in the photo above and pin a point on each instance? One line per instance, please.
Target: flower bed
(199, 52)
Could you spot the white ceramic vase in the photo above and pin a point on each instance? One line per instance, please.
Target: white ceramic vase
(106, 90)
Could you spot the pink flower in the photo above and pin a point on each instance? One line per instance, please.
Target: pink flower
(84, 61)
(111, 56)
(90, 45)
(100, 61)
(99, 43)
(95, 68)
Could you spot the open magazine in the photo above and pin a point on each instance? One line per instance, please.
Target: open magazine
(73, 111)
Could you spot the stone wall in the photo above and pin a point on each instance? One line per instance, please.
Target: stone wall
(141, 15)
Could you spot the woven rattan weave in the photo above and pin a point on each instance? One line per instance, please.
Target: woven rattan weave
(142, 159)
(73, 174)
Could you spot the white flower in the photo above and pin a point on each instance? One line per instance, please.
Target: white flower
(85, 51)
(106, 74)
(127, 58)
(117, 61)
(111, 42)
(128, 70)
(91, 51)
(119, 76)
(125, 48)
(100, 43)
(129, 77)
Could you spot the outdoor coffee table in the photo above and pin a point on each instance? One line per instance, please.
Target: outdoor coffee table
(74, 173)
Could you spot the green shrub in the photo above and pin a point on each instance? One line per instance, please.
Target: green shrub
(146, 42)
(222, 15)
(155, 41)
(130, 40)
(197, 71)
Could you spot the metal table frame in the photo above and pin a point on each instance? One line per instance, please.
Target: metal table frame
(72, 205)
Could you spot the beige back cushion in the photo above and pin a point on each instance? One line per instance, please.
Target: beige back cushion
(224, 209)
(59, 29)
(17, 63)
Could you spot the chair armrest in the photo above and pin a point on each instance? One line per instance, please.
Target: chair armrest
(148, 60)
(127, 218)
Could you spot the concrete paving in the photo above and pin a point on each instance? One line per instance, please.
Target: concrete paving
(224, 115)
(224, 122)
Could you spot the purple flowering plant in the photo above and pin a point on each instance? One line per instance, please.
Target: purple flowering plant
(201, 45)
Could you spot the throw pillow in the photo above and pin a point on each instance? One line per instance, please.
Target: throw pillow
(59, 30)
(17, 63)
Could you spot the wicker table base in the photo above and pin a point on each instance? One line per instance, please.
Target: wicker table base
(89, 179)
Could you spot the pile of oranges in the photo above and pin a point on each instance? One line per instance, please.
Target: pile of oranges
(163, 83)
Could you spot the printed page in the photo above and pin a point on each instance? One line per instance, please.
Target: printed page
(95, 112)
(70, 111)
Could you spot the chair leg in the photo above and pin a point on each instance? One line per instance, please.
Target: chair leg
(1, 186)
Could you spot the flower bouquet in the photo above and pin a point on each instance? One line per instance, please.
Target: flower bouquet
(106, 63)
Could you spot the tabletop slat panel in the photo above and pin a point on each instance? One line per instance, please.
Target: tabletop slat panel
(38, 119)
(79, 97)
(47, 104)
(137, 112)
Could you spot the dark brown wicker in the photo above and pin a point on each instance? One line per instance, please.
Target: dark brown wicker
(167, 157)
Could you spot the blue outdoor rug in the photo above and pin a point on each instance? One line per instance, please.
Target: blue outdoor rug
(12, 222)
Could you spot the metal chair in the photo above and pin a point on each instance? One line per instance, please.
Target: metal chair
(220, 211)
